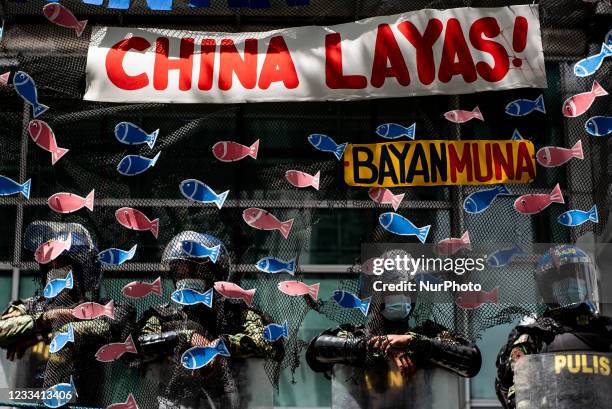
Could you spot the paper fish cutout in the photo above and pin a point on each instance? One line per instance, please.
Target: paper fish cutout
(580, 103)
(136, 220)
(480, 201)
(460, 116)
(469, 300)
(130, 403)
(228, 151)
(140, 289)
(61, 339)
(56, 286)
(298, 288)
(26, 88)
(196, 249)
(115, 256)
(274, 265)
(200, 192)
(132, 165)
(10, 187)
(114, 350)
(395, 131)
(385, 196)
(274, 332)
(189, 296)
(398, 224)
(502, 258)
(599, 125)
(263, 220)
(130, 134)
(116, 4)
(4, 77)
(69, 202)
(522, 107)
(574, 218)
(516, 136)
(61, 16)
(42, 134)
(450, 246)
(49, 251)
(326, 144)
(350, 300)
(198, 357)
(59, 394)
(552, 156)
(590, 65)
(303, 179)
(162, 5)
(535, 203)
(234, 291)
(92, 310)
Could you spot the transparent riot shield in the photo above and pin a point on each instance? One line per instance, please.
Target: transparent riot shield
(385, 388)
(564, 380)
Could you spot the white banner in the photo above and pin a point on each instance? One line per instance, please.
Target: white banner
(455, 51)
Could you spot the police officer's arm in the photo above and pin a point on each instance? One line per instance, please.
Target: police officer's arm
(523, 344)
(250, 341)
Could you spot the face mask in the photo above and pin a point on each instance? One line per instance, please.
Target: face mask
(570, 291)
(193, 283)
(396, 308)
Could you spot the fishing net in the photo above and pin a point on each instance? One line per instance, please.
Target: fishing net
(329, 224)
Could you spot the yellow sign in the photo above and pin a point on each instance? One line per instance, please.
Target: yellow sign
(439, 162)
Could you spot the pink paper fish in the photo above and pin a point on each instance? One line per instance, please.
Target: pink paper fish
(61, 16)
(68, 202)
(228, 151)
(51, 250)
(4, 78)
(459, 116)
(535, 203)
(140, 289)
(234, 291)
(263, 220)
(136, 220)
(42, 134)
(91, 310)
(385, 196)
(580, 103)
(551, 156)
(469, 300)
(113, 351)
(450, 246)
(130, 403)
(298, 288)
(303, 179)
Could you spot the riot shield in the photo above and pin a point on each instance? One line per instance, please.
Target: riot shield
(564, 380)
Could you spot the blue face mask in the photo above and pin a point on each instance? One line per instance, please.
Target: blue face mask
(397, 311)
(570, 291)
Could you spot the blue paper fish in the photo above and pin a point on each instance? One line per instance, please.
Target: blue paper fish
(56, 286)
(95, 2)
(599, 125)
(274, 265)
(574, 218)
(10, 187)
(26, 88)
(522, 107)
(60, 340)
(350, 300)
(516, 136)
(588, 66)
(189, 296)
(60, 394)
(132, 165)
(196, 249)
(273, 332)
(480, 201)
(326, 144)
(163, 5)
(130, 134)
(118, 4)
(116, 256)
(395, 131)
(501, 258)
(198, 357)
(398, 224)
(200, 192)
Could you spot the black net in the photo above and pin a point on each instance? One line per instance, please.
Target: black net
(329, 223)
